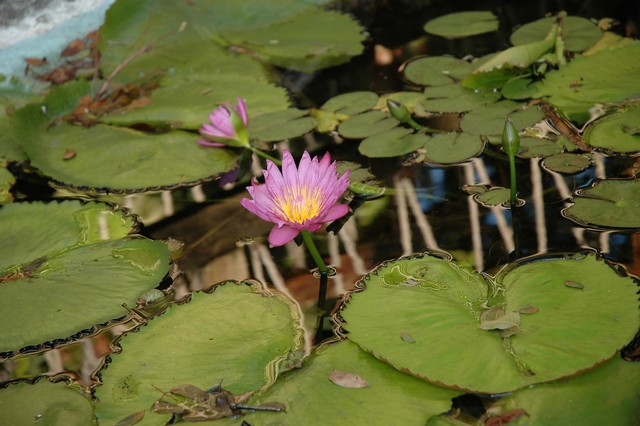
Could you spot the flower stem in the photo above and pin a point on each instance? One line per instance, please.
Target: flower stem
(265, 155)
(322, 267)
(315, 254)
(512, 172)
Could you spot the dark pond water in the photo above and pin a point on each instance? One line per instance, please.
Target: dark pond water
(423, 209)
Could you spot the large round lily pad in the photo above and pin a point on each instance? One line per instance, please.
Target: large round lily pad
(608, 394)
(585, 313)
(29, 231)
(239, 335)
(586, 80)
(123, 160)
(75, 290)
(610, 203)
(45, 403)
(311, 398)
(392, 143)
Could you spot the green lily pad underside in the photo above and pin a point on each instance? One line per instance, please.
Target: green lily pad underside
(77, 290)
(239, 335)
(118, 159)
(30, 231)
(462, 24)
(44, 403)
(613, 132)
(392, 397)
(578, 33)
(610, 204)
(439, 303)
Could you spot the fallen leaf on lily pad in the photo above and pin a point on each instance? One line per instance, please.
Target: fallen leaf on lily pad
(348, 380)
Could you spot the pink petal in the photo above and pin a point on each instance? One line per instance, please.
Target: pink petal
(209, 143)
(241, 109)
(282, 235)
(289, 170)
(335, 212)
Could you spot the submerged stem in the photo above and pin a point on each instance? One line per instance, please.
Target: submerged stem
(322, 267)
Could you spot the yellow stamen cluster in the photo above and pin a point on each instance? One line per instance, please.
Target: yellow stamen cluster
(299, 204)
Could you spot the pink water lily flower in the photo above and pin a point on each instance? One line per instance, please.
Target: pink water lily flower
(298, 199)
(227, 126)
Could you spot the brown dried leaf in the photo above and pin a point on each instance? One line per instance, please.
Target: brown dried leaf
(348, 380)
(131, 419)
(574, 284)
(529, 309)
(36, 62)
(74, 47)
(68, 154)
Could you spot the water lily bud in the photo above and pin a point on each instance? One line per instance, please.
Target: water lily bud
(398, 111)
(510, 139)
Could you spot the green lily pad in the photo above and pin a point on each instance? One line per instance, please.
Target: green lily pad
(455, 98)
(7, 179)
(411, 100)
(452, 148)
(361, 180)
(578, 33)
(520, 56)
(183, 38)
(351, 103)
(440, 304)
(436, 70)
(531, 147)
(44, 403)
(239, 335)
(490, 119)
(495, 196)
(519, 88)
(83, 287)
(462, 24)
(494, 79)
(566, 163)
(612, 133)
(391, 397)
(610, 203)
(309, 41)
(608, 394)
(277, 126)
(184, 102)
(119, 159)
(30, 231)
(392, 143)
(366, 124)
(607, 76)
